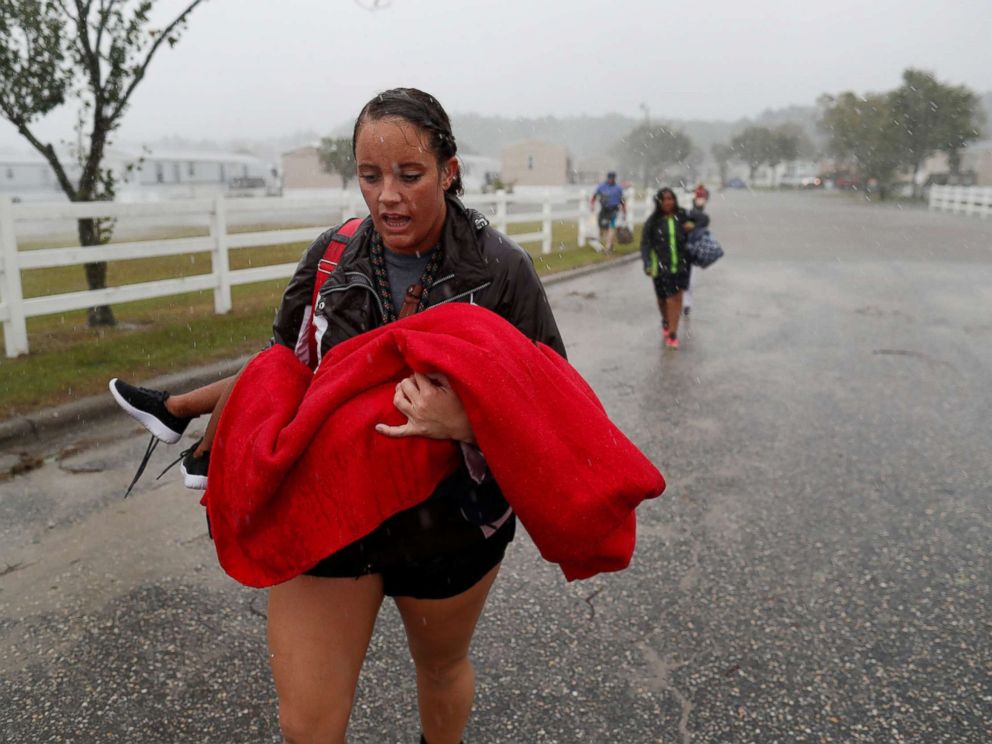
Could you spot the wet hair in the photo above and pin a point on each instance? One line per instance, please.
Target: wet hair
(422, 110)
(656, 215)
(658, 197)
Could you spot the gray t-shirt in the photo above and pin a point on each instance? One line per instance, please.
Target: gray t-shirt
(403, 270)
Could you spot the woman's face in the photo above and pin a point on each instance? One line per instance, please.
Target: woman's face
(402, 183)
(667, 203)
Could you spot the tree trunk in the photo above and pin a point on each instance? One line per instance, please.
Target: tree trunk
(916, 186)
(954, 161)
(96, 274)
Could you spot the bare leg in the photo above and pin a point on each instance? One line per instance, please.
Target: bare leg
(439, 632)
(673, 312)
(208, 434)
(223, 389)
(664, 318)
(319, 632)
(200, 401)
(611, 235)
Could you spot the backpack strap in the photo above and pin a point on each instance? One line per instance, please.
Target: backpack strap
(326, 266)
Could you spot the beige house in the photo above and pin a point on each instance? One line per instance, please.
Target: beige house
(975, 159)
(535, 163)
(301, 170)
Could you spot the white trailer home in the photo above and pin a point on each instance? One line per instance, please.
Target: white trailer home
(152, 176)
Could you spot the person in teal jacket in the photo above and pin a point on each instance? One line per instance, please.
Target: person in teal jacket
(663, 251)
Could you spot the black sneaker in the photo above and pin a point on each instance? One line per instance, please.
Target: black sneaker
(147, 407)
(194, 469)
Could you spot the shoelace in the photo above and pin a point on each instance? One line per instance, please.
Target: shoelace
(144, 462)
(147, 456)
(182, 456)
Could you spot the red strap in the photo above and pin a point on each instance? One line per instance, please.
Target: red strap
(326, 267)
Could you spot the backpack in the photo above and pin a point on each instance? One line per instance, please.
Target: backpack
(326, 267)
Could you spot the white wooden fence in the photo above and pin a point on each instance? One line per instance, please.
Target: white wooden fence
(502, 209)
(963, 199)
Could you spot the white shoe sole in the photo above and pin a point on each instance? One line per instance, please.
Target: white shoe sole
(195, 482)
(156, 427)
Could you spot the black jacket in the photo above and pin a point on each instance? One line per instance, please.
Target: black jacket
(655, 250)
(480, 265)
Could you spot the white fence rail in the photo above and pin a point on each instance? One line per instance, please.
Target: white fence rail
(503, 211)
(963, 199)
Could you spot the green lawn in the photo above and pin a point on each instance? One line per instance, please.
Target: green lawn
(164, 335)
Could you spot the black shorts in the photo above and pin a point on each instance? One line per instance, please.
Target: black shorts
(667, 284)
(608, 217)
(427, 552)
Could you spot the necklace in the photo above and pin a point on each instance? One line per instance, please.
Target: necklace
(416, 296)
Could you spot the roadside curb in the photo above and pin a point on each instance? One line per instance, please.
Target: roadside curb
(590, 269)
(35, 427)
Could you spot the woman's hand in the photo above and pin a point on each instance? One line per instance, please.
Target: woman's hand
(432, 410)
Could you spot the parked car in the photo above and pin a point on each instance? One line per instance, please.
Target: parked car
(735, 183)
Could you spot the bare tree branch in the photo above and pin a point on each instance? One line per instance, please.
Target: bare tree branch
(139, 72)
(47, 151)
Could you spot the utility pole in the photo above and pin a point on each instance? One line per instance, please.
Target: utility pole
(647, 126)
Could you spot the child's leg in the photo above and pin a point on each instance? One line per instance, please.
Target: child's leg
(199, 401)
(167, 416)
(223, 394)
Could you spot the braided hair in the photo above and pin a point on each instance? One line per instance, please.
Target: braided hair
(423, 111)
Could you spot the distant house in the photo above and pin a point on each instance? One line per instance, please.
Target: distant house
(535, 163)
(975, 169)
(177, 174)
(154, 176)
(28, 177)
(478, 172)
(301, 169)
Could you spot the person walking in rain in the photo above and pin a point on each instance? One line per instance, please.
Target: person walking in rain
(609, 194)
(663, 252)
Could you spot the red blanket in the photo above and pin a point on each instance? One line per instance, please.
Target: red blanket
(297, 470)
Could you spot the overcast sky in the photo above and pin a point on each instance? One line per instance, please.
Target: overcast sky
(261, 68)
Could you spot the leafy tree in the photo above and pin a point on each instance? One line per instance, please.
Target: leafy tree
(722, 154)
(783, 146)
(933, 116)
(337, 156)
(863, 132)
(651, 148)
(804, 146)
(92, 54)
(754, 146)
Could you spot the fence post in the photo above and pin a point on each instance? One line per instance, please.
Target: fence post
(501, 211)
(220, 260)
(348, 209)
(15, 330)
(546, 223)
(581, 237)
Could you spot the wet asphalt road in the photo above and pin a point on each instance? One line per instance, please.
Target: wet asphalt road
(818, 571)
